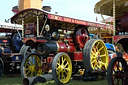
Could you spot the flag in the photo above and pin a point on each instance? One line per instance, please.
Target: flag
(96, 19)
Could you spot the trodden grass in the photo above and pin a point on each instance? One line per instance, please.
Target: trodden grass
(4, 80)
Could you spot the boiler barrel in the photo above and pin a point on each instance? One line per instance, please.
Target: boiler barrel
(52, 47)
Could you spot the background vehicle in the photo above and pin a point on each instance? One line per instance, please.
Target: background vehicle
(10, 44)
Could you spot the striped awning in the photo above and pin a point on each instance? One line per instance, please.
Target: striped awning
(105, 7)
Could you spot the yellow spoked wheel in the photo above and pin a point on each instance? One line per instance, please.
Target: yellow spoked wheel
(95, 55)
(31, 66)
(61, 68)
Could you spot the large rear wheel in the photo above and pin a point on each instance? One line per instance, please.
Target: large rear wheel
(95, 55)
(31, 66)
(117, 73)
(61, 68)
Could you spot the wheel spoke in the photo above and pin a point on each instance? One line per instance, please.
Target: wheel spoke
(26, 68)
(58, 61)
(95, 66)
(93, 61)
(63, 77)
(64, 60)
(117, 66)
(58, 64)
(27, 64)
(66, 72)
(30, 61)
(100, 49)
(65, 64)
(97, 44)
(118, 81)
(68, 69)
(98, 66)
(93, 53)
(28, 72)
(104, 55)
(102, 63)
(58, 73)
(31, 74)
(94, 49)
(92, 57)
(114, 70)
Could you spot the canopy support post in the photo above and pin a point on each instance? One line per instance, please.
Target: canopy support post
(114, 14)
(99, 31)
(105, 24)
(43, 26)
(23, 28)
(37, 26)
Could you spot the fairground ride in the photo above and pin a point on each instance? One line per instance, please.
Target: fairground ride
(117, 72)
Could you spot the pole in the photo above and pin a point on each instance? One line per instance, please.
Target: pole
(23, 27)
(37, 26)
(114, 14)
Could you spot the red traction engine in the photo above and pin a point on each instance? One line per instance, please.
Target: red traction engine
(59, 47)
(66, 55)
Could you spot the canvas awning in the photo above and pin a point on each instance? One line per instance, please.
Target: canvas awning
(105, 7)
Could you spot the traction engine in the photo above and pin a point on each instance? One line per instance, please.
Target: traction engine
(10, 58)
(54, 44)
(65, 53)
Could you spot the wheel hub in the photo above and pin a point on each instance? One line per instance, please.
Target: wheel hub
(99, 58)
(32, 67)
(61, 68)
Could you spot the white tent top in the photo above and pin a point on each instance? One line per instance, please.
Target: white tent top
(4, 25)
(105, 7)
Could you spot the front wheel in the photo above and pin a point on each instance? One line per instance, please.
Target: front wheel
(31, 66)
(117, 73)
(61, 68)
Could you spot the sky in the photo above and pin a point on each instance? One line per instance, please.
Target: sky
(79, 9)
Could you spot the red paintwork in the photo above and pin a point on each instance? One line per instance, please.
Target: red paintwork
(41, 41)
(76, 21)
(76, 56)
(71, 48)
(62, 47)
(31, 39)
(80, 37)
(34, 39)
(117, 38)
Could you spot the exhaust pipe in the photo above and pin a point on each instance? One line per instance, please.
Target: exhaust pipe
(34, 80)
(29, 80)
(46, 77)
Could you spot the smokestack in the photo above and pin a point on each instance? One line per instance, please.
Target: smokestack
(47, 8)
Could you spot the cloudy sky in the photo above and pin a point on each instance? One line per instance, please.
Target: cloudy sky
(79, 9)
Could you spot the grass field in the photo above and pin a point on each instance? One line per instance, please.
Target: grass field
(4, 80)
